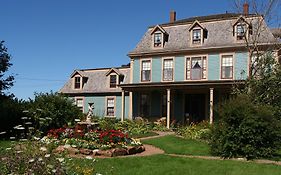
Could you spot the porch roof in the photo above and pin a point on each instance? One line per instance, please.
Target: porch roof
(183, 84)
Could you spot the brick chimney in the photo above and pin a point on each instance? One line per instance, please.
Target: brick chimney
(172, 16)
(246, 9)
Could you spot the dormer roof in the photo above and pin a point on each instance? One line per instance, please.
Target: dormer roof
(158, 27)
(194, 24)
(113, 70)
(81, 73)
(239, 19)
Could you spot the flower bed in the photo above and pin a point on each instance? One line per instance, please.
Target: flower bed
(92, 142)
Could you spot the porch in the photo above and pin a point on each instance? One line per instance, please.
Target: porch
(181, 103)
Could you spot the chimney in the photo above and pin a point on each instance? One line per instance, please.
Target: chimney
(245, 9)
(172, 16)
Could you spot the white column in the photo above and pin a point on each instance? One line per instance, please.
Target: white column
(123, 106)
(168, 107)
(211, 105)
(131, 106)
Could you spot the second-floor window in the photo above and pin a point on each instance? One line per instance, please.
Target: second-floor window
(196, 36)
(240, 31)
(110, 107)
(113, 80)
(157, 39)
(196, 68)
(146, 70)
(77, 82)
(168, 70)
(227, 67)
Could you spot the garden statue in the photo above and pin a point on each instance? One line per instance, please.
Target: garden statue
(90, 112)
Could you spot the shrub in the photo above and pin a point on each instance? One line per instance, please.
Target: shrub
(200, 131)
(245, 130)
(52, 110)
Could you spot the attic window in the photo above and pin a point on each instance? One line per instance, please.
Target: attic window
(158, 39)
(196, 36)
(113, 81)
(77, 82)
(240, 31)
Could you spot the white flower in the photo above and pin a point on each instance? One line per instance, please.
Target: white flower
(60, 159)
(43, 149)
(73, 146)
(88, 157)
(36, 138)
(47, 155)
(40, 159)
(98, 174)
(8, 148)
(19, 152)
(54, 171)
(31, 160)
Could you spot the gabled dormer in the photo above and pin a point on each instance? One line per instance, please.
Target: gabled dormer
(79, 79)
(197, 34)
(159, 37)
(242, 29)
(114, 77)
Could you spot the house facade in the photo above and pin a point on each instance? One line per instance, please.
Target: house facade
(178, 70)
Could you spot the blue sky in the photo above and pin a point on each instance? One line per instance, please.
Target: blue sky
(49, 39)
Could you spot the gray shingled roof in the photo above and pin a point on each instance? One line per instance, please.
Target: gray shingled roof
(97, 82)
(220, 34)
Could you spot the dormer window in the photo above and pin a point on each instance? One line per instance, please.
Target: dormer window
(113, 80)
(77, 83)
(240, 31)
(196, 36)
(157, 39)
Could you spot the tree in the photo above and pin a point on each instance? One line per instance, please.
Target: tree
(5, 81)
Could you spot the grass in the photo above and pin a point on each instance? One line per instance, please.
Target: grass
(165, 164)
(143, 135)
(176, 145)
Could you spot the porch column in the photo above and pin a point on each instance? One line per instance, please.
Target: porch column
(211, 105)
(130, 106)
(123, 106)
(168, 107)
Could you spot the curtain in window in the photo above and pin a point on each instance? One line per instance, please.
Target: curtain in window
(168, 70)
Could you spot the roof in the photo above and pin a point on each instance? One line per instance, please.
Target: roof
(97, 82)
(114, 70)
(81, 73)
(276, 32)
(220, 34)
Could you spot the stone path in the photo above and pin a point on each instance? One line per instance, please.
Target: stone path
(160, 134)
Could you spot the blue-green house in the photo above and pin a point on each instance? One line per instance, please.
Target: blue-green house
(178, 70)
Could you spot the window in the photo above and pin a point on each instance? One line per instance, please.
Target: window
(196, 68)
(77, 82)
(113, 81)
(240, 31)
(144, 105)
(196, 36)
(146, 70)
(157, 39)
(79, 103)
(110, 107)
(168, 70)
(227, 67)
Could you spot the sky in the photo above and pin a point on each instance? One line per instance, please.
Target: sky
(49, 39)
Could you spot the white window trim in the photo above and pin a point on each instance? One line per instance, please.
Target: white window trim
(81, 81)
(162, 70)
(117, 80)
(191, 36)
(106, 98)
(162, 39)
(80, 98)
(140, 74)
(185, 67)
(246, 31)
(233, 65)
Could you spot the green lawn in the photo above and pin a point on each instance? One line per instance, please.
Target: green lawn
(176, 145)
(143, 135)
(165, 164)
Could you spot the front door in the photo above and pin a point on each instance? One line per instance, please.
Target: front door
(195, 107)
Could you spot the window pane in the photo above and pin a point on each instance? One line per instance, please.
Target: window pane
(157, 39)
(145, 74)
(227, 66)
(79, 102)
(110, 107)
(77, 83)
(168, 74)
(113, 81)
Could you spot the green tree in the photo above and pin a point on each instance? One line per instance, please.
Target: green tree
(52, 110)
(5, 81)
